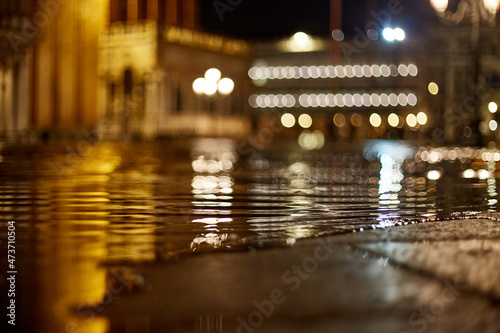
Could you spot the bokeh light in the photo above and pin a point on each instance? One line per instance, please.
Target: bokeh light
(433, 88)
(393, 120)
(301, 37)
(210, 88)
(305, 120)
(399, 34)
(375, 120)
(492, 107)
(338, 35)
(225, 86)
(356, 120)
(339, 120)
(434, 174)
(199, 85)
(388, 34)
(422, 118)
(288, 120)
(411, 120)
(213, 75)
(493, 125)
(311, 140)
(439, 5)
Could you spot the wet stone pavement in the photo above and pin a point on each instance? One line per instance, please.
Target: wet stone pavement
(198, 236)
(427, 277)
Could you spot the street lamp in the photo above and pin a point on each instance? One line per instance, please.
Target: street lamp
(396, 34)
(212, 83)
(479, 10)
(475, 12)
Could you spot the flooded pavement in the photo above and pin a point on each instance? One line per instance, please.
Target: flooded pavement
(85, 213)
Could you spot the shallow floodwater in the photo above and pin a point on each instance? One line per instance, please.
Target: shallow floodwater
(82, 205)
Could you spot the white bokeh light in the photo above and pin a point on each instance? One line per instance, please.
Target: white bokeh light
(213, 75)
(388, 34)
(301, 37)
(225, 86)
(199, 85)
(305, 120)
(288, 120)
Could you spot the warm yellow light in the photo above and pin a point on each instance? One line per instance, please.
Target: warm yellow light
(305, 120)
(301, 37)
(491, 5)
(492, 107)
(375, 120)
(493, 125)
(433, 88)
(288, 120)
(393, 120)
(356, 120)
(469, 173)
(434, 174)
(411, 120)
(210, 88)
(225, 86)
(310, 141)
(199, 85)
(339, 120)
(439, 5)
(213, 75)
(422, 118)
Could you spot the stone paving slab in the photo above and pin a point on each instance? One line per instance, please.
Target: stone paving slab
(429, 277)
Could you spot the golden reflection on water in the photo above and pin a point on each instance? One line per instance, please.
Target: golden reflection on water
(70, 248)
(68, 275)
(143, 203)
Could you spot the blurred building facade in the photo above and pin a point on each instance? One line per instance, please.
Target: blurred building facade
(123, 66)
(299, 77)
(51, 64)
(433, 84)
(15, 62)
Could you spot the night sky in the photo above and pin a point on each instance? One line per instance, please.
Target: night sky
(269, 19)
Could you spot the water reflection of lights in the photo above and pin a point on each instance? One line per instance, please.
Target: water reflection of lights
(201, 165)
(390, 177)
(298, 167)
(213, 240)
(391, 155)
(212, 184)
(213, 220)
(298, 232)
(492, 192)
(311, 140)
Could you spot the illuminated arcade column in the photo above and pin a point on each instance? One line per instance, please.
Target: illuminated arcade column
(153, 106)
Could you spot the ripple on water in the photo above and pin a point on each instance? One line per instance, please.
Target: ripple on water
(154, 201)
